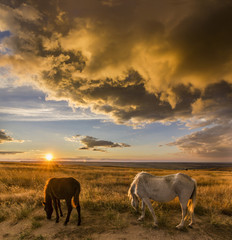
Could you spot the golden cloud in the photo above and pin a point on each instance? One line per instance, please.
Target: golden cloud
(137, 62)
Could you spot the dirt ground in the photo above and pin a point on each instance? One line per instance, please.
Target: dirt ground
(95, 228)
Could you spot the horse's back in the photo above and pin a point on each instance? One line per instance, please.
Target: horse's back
(64, 181)
(62, 188)
(184, 178)
(158, 188)
(147, 178)
(144, 176)
(184, 183)
(162, 188)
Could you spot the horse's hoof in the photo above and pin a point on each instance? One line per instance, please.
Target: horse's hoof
(179, 227)
(140, 218)
(155, 225)
(57, 220)
(78, 224)
(190, 225)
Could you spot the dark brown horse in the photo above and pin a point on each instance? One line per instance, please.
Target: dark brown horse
(62, 188)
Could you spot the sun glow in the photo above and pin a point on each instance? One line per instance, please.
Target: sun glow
(49, 157)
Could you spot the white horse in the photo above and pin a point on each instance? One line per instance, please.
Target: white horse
(163, 189)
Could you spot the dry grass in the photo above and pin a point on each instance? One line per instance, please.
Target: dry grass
(104, 192)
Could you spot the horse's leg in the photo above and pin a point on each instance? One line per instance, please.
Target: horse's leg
(192, 219)
(183, 204)
(61, 214)
(143, 207)
(69, 206)
(148, 203)
(56, 209)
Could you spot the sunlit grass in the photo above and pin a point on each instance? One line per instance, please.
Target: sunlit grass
(104, 191)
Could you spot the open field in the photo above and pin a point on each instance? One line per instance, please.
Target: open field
(106, 210)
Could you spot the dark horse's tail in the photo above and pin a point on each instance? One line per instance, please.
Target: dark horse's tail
(75, 200)
(76, 203)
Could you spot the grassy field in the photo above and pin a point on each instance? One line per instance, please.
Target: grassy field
(105, 205)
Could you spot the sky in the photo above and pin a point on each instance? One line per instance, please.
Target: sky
(116, 80)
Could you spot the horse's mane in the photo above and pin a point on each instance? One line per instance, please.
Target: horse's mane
(45, 187)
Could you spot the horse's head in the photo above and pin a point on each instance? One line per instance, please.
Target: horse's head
(133, 198)
(135, 202)
(48, 209)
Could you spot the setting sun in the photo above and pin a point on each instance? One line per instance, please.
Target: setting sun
(49, 157)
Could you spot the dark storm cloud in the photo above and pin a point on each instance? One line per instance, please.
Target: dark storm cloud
(6, 138)
(134, 103)
(203, 40)
(92, 143)
(136, 61)
(127, 100)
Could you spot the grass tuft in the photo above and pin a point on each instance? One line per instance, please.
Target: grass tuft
(22, 212)
(25, 236)
(35, 224)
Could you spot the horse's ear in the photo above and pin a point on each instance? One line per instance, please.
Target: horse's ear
(44, 203)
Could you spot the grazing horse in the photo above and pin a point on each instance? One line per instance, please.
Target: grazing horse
(62, 188)
(163, 189)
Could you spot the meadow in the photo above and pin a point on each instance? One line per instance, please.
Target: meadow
(106, 210)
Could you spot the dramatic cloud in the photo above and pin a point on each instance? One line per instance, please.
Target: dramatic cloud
(6, 138)
(210, 142)
(212, 109)
(135, 61)
(215, 103)
(92, 143)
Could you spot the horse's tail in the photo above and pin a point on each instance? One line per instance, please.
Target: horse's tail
(75, 200)
(192, 199)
